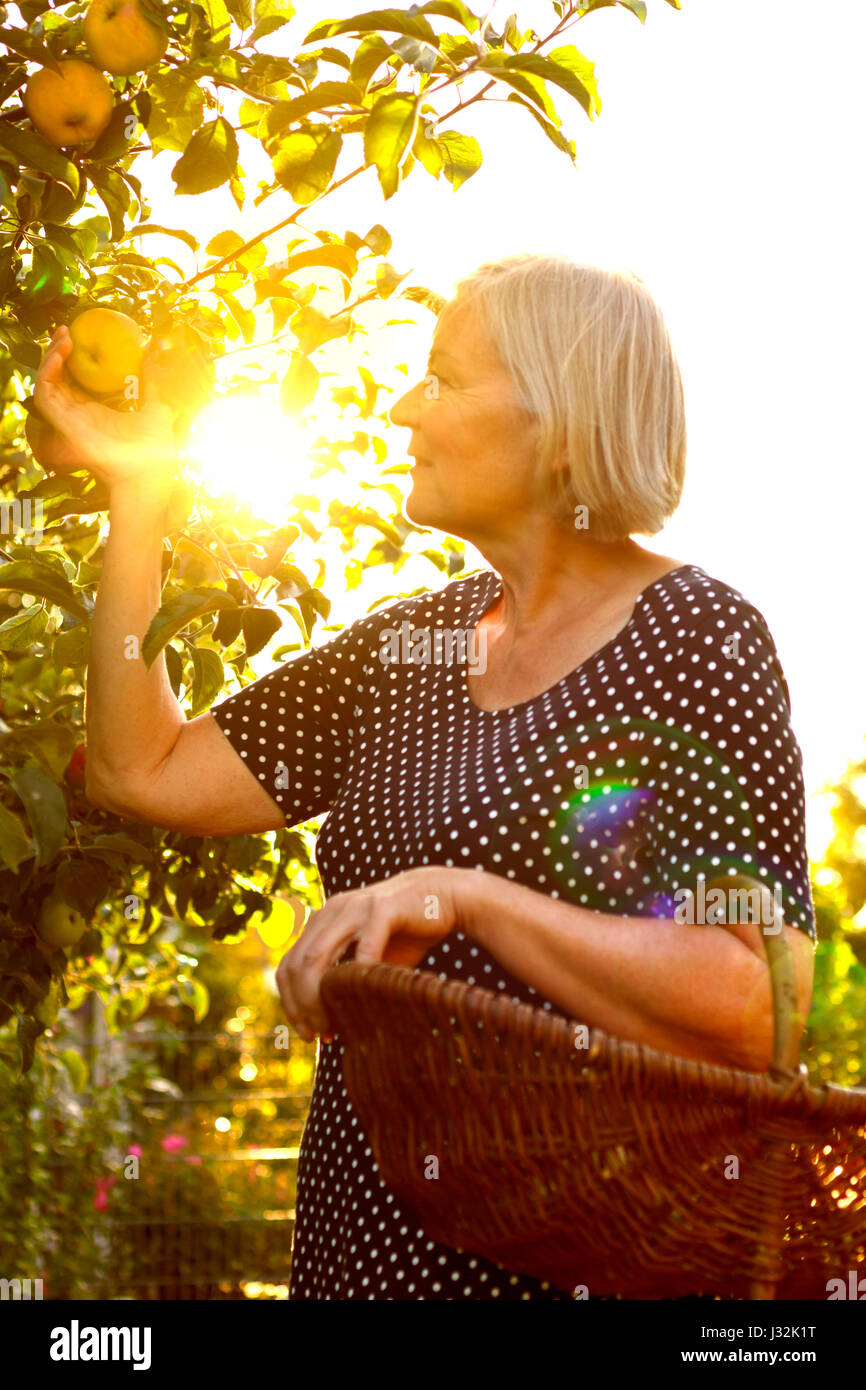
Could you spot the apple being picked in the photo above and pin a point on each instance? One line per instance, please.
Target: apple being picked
(59, 923)
(121, 38)
(107, 350)
(70, 106)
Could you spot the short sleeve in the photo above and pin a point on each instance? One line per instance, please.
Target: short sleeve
(294, 727)
(727, 793)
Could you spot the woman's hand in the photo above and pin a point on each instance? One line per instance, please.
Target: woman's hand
(120, 447)
(396, 921)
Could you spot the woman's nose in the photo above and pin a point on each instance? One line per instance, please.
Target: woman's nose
(403, 412)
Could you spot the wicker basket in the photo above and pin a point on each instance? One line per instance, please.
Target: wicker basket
(611, 1166)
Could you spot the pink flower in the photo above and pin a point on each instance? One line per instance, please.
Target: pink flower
(134, 1150)
(103, 1187)
(173, 1143)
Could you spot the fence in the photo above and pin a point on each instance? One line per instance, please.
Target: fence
(190, 1189)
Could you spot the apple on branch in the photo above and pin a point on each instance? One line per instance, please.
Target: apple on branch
(120, 37)
(71, 106)
(60, 924)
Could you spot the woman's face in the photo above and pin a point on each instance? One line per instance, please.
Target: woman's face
(474, 445)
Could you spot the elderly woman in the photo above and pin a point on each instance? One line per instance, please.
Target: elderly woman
(539, 817)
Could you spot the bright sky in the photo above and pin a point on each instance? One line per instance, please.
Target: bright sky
(726, 170)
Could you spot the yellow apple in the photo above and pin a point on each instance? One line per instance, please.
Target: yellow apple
(107, 349)
(71, 106)
(121, 38)
(59, 924)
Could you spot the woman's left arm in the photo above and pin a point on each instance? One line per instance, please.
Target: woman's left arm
(700, 992)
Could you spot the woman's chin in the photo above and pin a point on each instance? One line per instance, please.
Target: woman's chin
(422, 509)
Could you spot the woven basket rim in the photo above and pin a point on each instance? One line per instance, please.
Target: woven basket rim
(548, 1027)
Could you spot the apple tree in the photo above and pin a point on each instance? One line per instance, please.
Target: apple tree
(379, 96)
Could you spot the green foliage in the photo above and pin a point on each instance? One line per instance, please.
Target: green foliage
(835, 1037)
(375, 92)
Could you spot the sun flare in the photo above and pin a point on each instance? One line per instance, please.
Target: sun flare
(243, 448)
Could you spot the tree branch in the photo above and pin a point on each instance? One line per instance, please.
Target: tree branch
(261, 236)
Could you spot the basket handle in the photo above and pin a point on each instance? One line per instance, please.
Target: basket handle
(783, 983)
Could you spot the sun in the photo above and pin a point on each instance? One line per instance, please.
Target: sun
(244, 449)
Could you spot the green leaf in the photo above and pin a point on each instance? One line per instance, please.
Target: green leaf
(319, 98)
(219, 18)
(450, 9)
(270, 15)
(177, 108)
(462, 155)
(534, 90)
(378, 240)
(566, 67)
(338, 257)
(14, 840)
(71, 649)
(241, 12)
(224, 243)
(123, 847)
(419, 294)
(20, 632)
(244, 318)
(372, 53)
(144, 228)
(427, 152)
(45, 805)
(637, 7)
(555, 136)
(196, 996)
(228, 626)
(398, 21)
(31, 577)
(209, 159)
(387, 279)
(76, 1068)
(28, 1031)
(31, 151)
(115, 195)
(114, 142)
(27, 45)
(299, 385)
(388, 134)
(259, 626)
(177, 613)
(51, 742)
(208, 678)
(305, 161)
(83, 883)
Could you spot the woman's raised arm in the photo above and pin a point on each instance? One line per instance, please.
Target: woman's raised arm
(144, 759)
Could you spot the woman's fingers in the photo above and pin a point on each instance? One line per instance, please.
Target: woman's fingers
(52, 392)
(323, 942)
(287, 998)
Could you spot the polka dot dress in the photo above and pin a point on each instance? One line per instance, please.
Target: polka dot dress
(667, 757)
